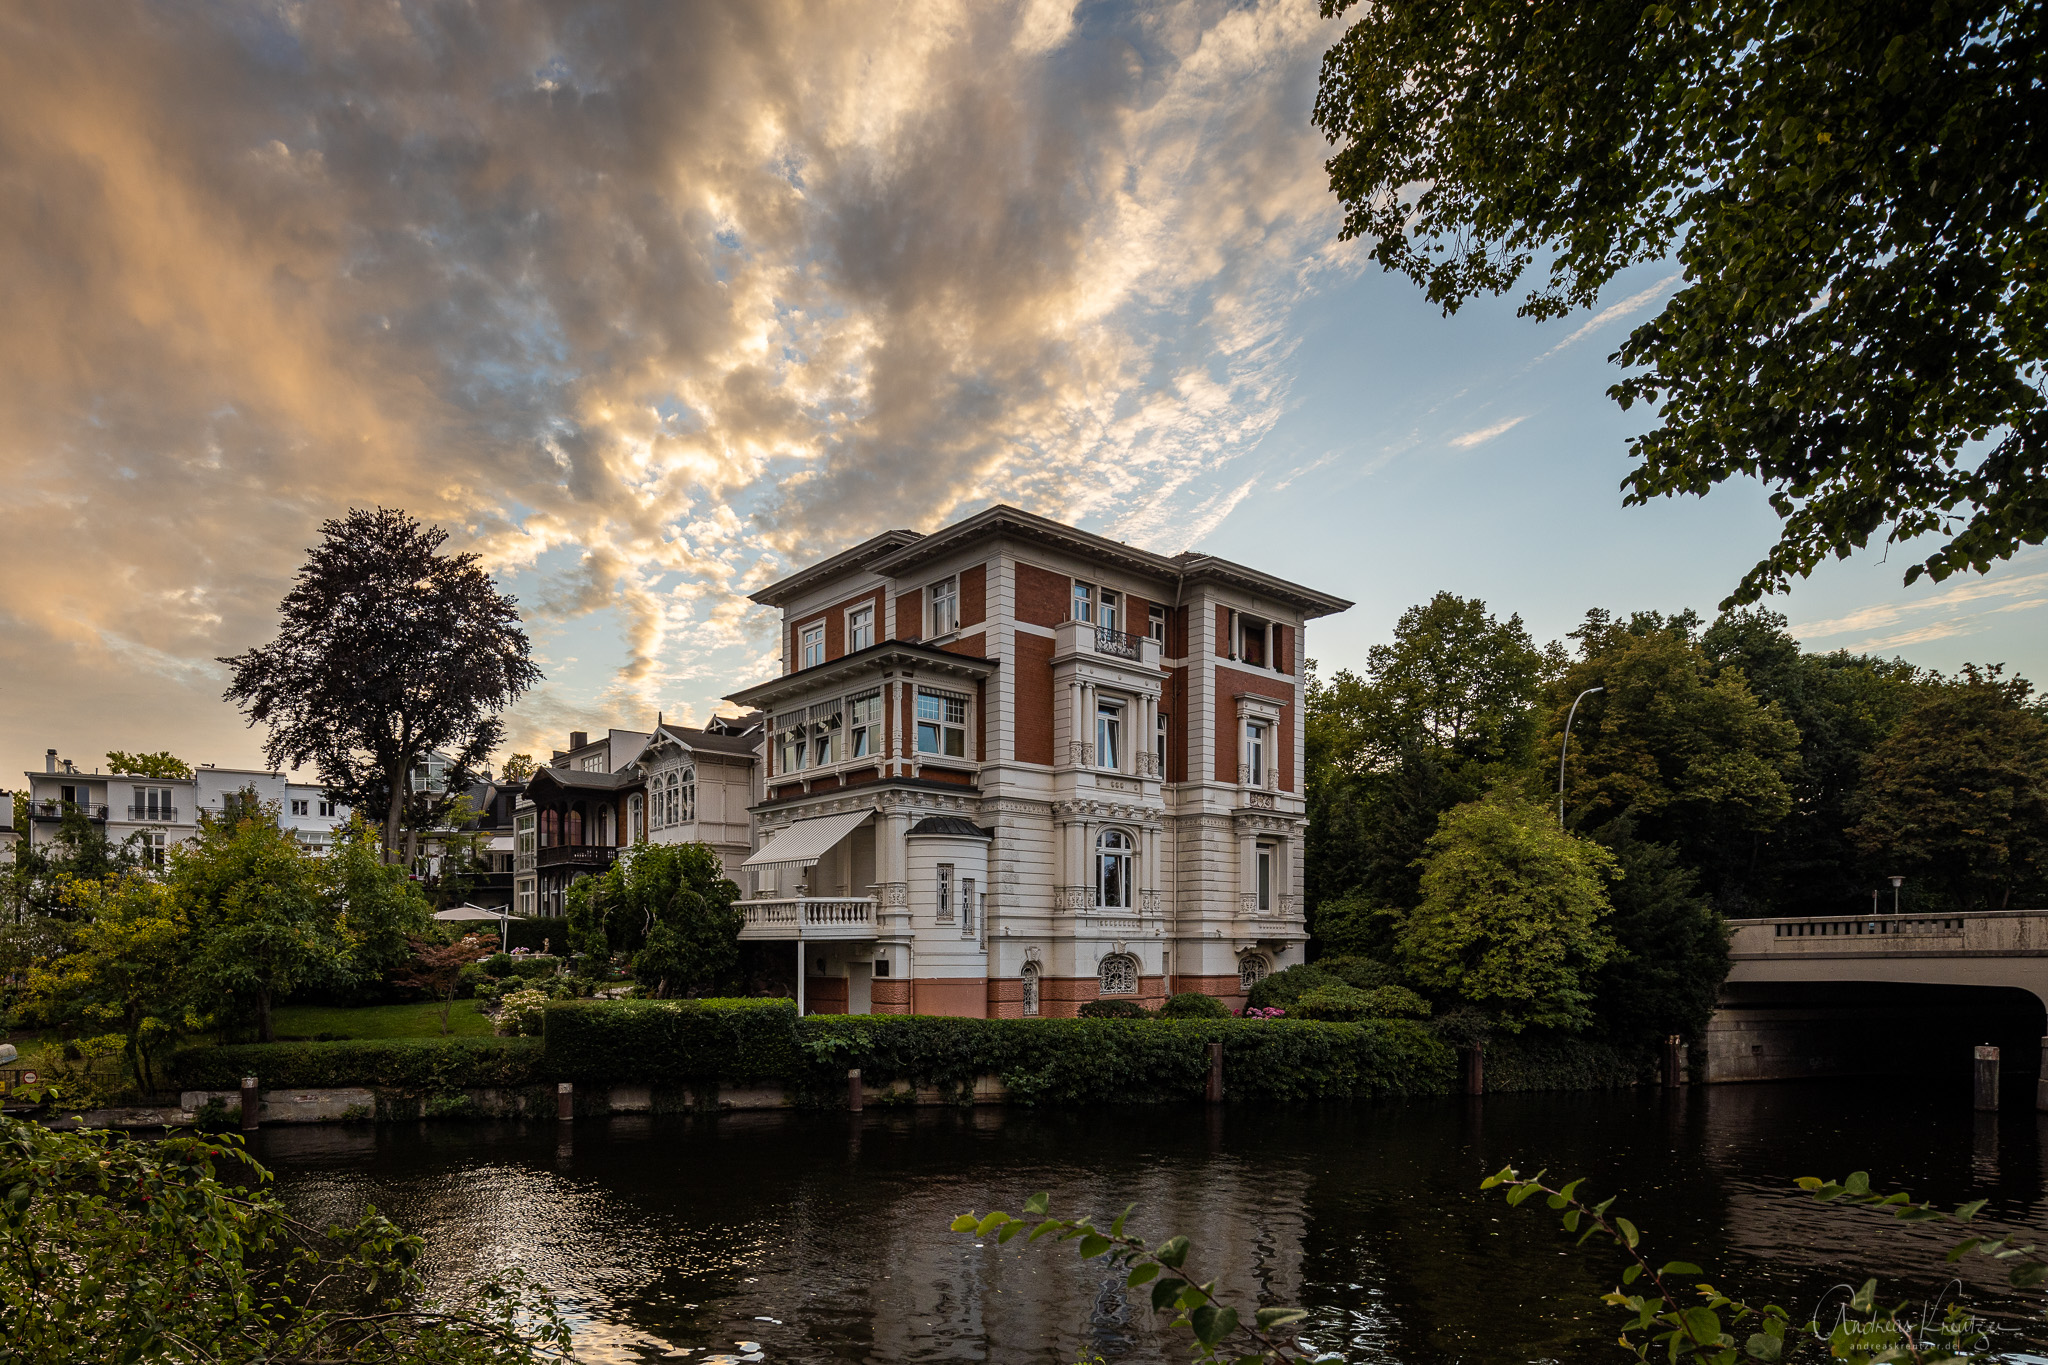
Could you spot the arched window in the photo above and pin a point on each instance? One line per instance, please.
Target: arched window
(668, 800)
(1030, 979)
(576, 826)
(1115, 866)
(550, 828)
(1251, 970)
(1119, 975)
(688, 800)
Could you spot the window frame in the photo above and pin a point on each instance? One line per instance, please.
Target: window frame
(1082, 602)
(1160, 743)
(1123, 857)
(1265, 858)
(1109, 609)
(1109, 734)
(1155, 624)
(1117, 963)
(1255, 740)
(942, 725)
(863, 730)
(943, 620)
(810, 642)
(860, 620)
(944, 888)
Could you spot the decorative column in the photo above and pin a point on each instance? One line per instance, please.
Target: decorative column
(1247, 870)
(892, 874)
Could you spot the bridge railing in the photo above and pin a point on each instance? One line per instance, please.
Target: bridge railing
(1879, 926)
(1970, 934)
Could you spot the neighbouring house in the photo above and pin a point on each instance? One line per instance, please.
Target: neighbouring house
(150, 814)
(1012, 766)
(669, 785)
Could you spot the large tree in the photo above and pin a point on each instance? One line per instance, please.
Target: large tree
(389, 650)
(1957, 795)
(671, 907)
(1854, 193)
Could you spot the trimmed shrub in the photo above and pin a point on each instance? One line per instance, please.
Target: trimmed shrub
(498, 966)
(1333, 1003)
(1396, 1002)
(1540, 1061)
(538, 935)
(1193, 1005)
(1282, 989)
(1114, 1009)
(656, 1041)
(409, 1065)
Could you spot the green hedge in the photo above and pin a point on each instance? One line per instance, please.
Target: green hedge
(1536, 1061)
(410, 1065)
(531, 933)
(668, 1041)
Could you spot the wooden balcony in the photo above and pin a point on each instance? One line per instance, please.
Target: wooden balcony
(810, 918)
(586, 857)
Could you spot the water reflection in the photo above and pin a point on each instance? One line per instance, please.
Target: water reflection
(794, 1237)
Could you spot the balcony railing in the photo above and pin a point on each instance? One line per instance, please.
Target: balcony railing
(819, 917)
(1117, 644)
(54, 810)
(162, 815)
(594, 856)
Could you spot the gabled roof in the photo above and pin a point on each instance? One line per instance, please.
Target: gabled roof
(701, 741)
(579, 780)
(895, 552)
(800, 582)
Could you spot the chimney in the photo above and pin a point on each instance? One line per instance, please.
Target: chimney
(577, 739)
(49, 760)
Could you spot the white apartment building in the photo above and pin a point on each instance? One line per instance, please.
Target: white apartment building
(153, 813)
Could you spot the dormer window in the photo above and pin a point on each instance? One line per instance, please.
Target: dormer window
(945, 608)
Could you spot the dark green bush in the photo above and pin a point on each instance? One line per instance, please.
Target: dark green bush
(1193, 1005)
(1282, 989)
(1114, 1009)
(411, 1065)
(537, 965)
(498, 965)
(673, 1040)
(1546, 1061)
(1333, 1003)
(538, 935)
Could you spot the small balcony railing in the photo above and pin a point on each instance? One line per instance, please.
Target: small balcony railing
(851, 917)
(161, 815)
(596, 857)
(54, 810)
(1117, 644)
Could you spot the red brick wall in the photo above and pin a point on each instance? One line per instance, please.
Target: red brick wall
(1175, 705)
(973, 595)
(1229, 683)
(1042, 595)
(890, 995)
(962, 997)
(910, 615)
(1033, 732)
(1223, 650)
(1177, 633)
(825, 995)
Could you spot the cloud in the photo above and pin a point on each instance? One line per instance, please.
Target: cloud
(1473, 438)
(645, 303)
(1614, 312)
(1960, 608)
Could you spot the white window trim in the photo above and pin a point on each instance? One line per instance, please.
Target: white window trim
(873, 620)
(935, 628)
(966, 726)
(805, 635)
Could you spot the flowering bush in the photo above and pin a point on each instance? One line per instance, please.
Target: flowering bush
(1255, 1013)
(521, 1012)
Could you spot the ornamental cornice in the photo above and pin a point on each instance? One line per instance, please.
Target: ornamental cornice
(1265, 822)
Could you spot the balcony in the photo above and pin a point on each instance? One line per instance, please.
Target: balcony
(1085, 637)
(153, 815)
(588, 857)
(810, 918)
(54, 810)
(1118, 644)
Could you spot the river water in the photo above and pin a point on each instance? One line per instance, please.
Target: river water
(823, 1237)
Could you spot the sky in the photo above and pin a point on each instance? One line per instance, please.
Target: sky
(650, 304)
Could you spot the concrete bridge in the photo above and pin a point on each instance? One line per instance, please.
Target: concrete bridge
(1870, 995)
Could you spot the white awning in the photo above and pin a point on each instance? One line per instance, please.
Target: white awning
(806, 841)
(469, 912)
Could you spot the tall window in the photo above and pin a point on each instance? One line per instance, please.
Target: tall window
(860, 628)
(1255, 752)
(1111, 615)
(1118, 975)
(1251, 647)
(1084, 601)
(967, 907)
(942, 724)
(945, 893)
(1029, 977)
(152, 803)
(864, 725)
(635, 813)
(945, 597)
(575, 829)
(795, 744)
(151, 846)
(1265, 857)
(812, 650)
(1159, 746)
(1156, 624)
(1115, 860)
(686, 796)
(327, 809)
(550, 828)
(1109, 736)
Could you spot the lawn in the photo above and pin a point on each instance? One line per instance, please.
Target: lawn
(378, 1021)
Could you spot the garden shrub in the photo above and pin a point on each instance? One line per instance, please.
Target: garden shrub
(1283, 988)
(1193, 1005)
(1114, 1009)
(658, 1041)
(1550, 1061)
(1396, 1002)
(409, 1065)
(534, 966)
(522, 1012)
(498, 966)
(1335, 1003)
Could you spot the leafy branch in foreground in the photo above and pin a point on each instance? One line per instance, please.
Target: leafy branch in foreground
(1704, 1324)
(1221, 1333)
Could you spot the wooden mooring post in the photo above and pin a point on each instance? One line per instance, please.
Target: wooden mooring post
(1475, 1070)
(252, 1104)
(1674, 1061)
(853, 1091)
(565, 1100)
(1986, 1063)
(1215, 1094)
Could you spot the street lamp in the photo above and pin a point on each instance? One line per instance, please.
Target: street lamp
(1896, 882)
(1566, 748)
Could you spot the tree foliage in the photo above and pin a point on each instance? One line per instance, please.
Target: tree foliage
(1854, 194)
(668, 905)
(388, 650)
(163, 763)
(125, 1251)
(121, 969)
(1511, 916)
(1957, 795)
